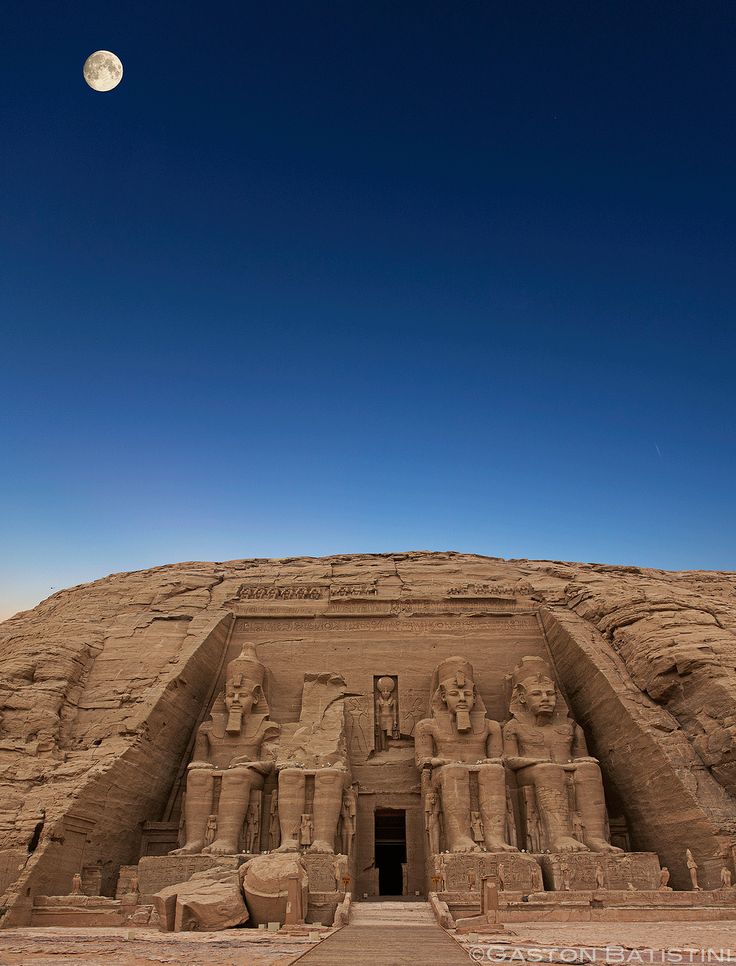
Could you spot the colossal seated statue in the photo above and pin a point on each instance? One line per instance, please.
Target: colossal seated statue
(460, 749)
(236, 745)
(313, 768)
(547, 751)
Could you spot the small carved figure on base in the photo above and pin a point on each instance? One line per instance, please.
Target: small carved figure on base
(726, 878)
(442, 873)
(76, 885)
(600, 877)
(664, 878)
(692, 868)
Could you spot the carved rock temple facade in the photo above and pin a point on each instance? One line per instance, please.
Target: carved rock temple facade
(210, 745)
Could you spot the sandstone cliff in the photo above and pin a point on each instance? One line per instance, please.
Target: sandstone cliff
(102, 685)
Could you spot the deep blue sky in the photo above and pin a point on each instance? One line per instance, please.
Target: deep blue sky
(337, 276)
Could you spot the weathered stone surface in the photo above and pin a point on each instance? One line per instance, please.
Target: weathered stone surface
(208, 901)
(266, 880)
(104, 686)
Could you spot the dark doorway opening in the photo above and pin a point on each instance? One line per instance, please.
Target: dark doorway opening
(390, 850)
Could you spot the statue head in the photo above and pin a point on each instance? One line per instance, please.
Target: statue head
(244, 687)
(456, 689)
(534, 689)
(385, 686)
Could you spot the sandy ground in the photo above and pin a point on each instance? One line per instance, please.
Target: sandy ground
(240, 947)
(50, 946)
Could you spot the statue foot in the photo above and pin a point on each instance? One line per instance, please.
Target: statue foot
(221, 847)
(191, 848)
(320, 845)
(600, 845)
(498, 845)
(464, 844)
(568, 844)
(288, 846)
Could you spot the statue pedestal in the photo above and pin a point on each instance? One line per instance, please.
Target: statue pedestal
(326, 888)
(577, 871)
(157, 872)
(511, 871)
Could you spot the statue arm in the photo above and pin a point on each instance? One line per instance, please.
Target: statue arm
(267, 754)
(201, 754)
(579, 747)
(494, 741)
(424, 745)
(511, 750)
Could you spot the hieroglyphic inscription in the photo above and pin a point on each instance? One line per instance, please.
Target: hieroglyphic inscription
(489, 590)
(418, 625)
(290, 592)
(353, 590)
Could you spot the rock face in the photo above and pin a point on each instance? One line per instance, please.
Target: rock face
(104, 689)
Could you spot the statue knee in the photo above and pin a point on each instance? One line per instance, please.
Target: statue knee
(290, 776)
(239, 777)
(198, 779)
(548, 773)
(453, 772)
(330, 776)
(494, 773)
(588, 771)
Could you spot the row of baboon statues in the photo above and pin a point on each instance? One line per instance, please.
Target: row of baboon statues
(462, 754)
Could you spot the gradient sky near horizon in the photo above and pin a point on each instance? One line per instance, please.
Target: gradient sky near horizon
(326, 277)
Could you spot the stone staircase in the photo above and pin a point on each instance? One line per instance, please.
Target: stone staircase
(390, 933)
(391, 913)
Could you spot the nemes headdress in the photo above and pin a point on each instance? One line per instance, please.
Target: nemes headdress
(528, 670)
(246, 671)
(458, 670)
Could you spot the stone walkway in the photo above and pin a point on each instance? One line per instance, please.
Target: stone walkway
(388, 934)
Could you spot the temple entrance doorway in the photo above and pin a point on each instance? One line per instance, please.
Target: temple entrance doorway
(390, 832)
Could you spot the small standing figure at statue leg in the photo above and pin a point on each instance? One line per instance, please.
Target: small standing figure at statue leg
(76, 885)
(347, 817)
(306, 827)
(210, 832)
(252, 829)
(726, 878)
(477, 826)
(664, 878)
(692, 868)
(274, 830)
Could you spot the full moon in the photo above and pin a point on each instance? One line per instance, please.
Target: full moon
(103, 70)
